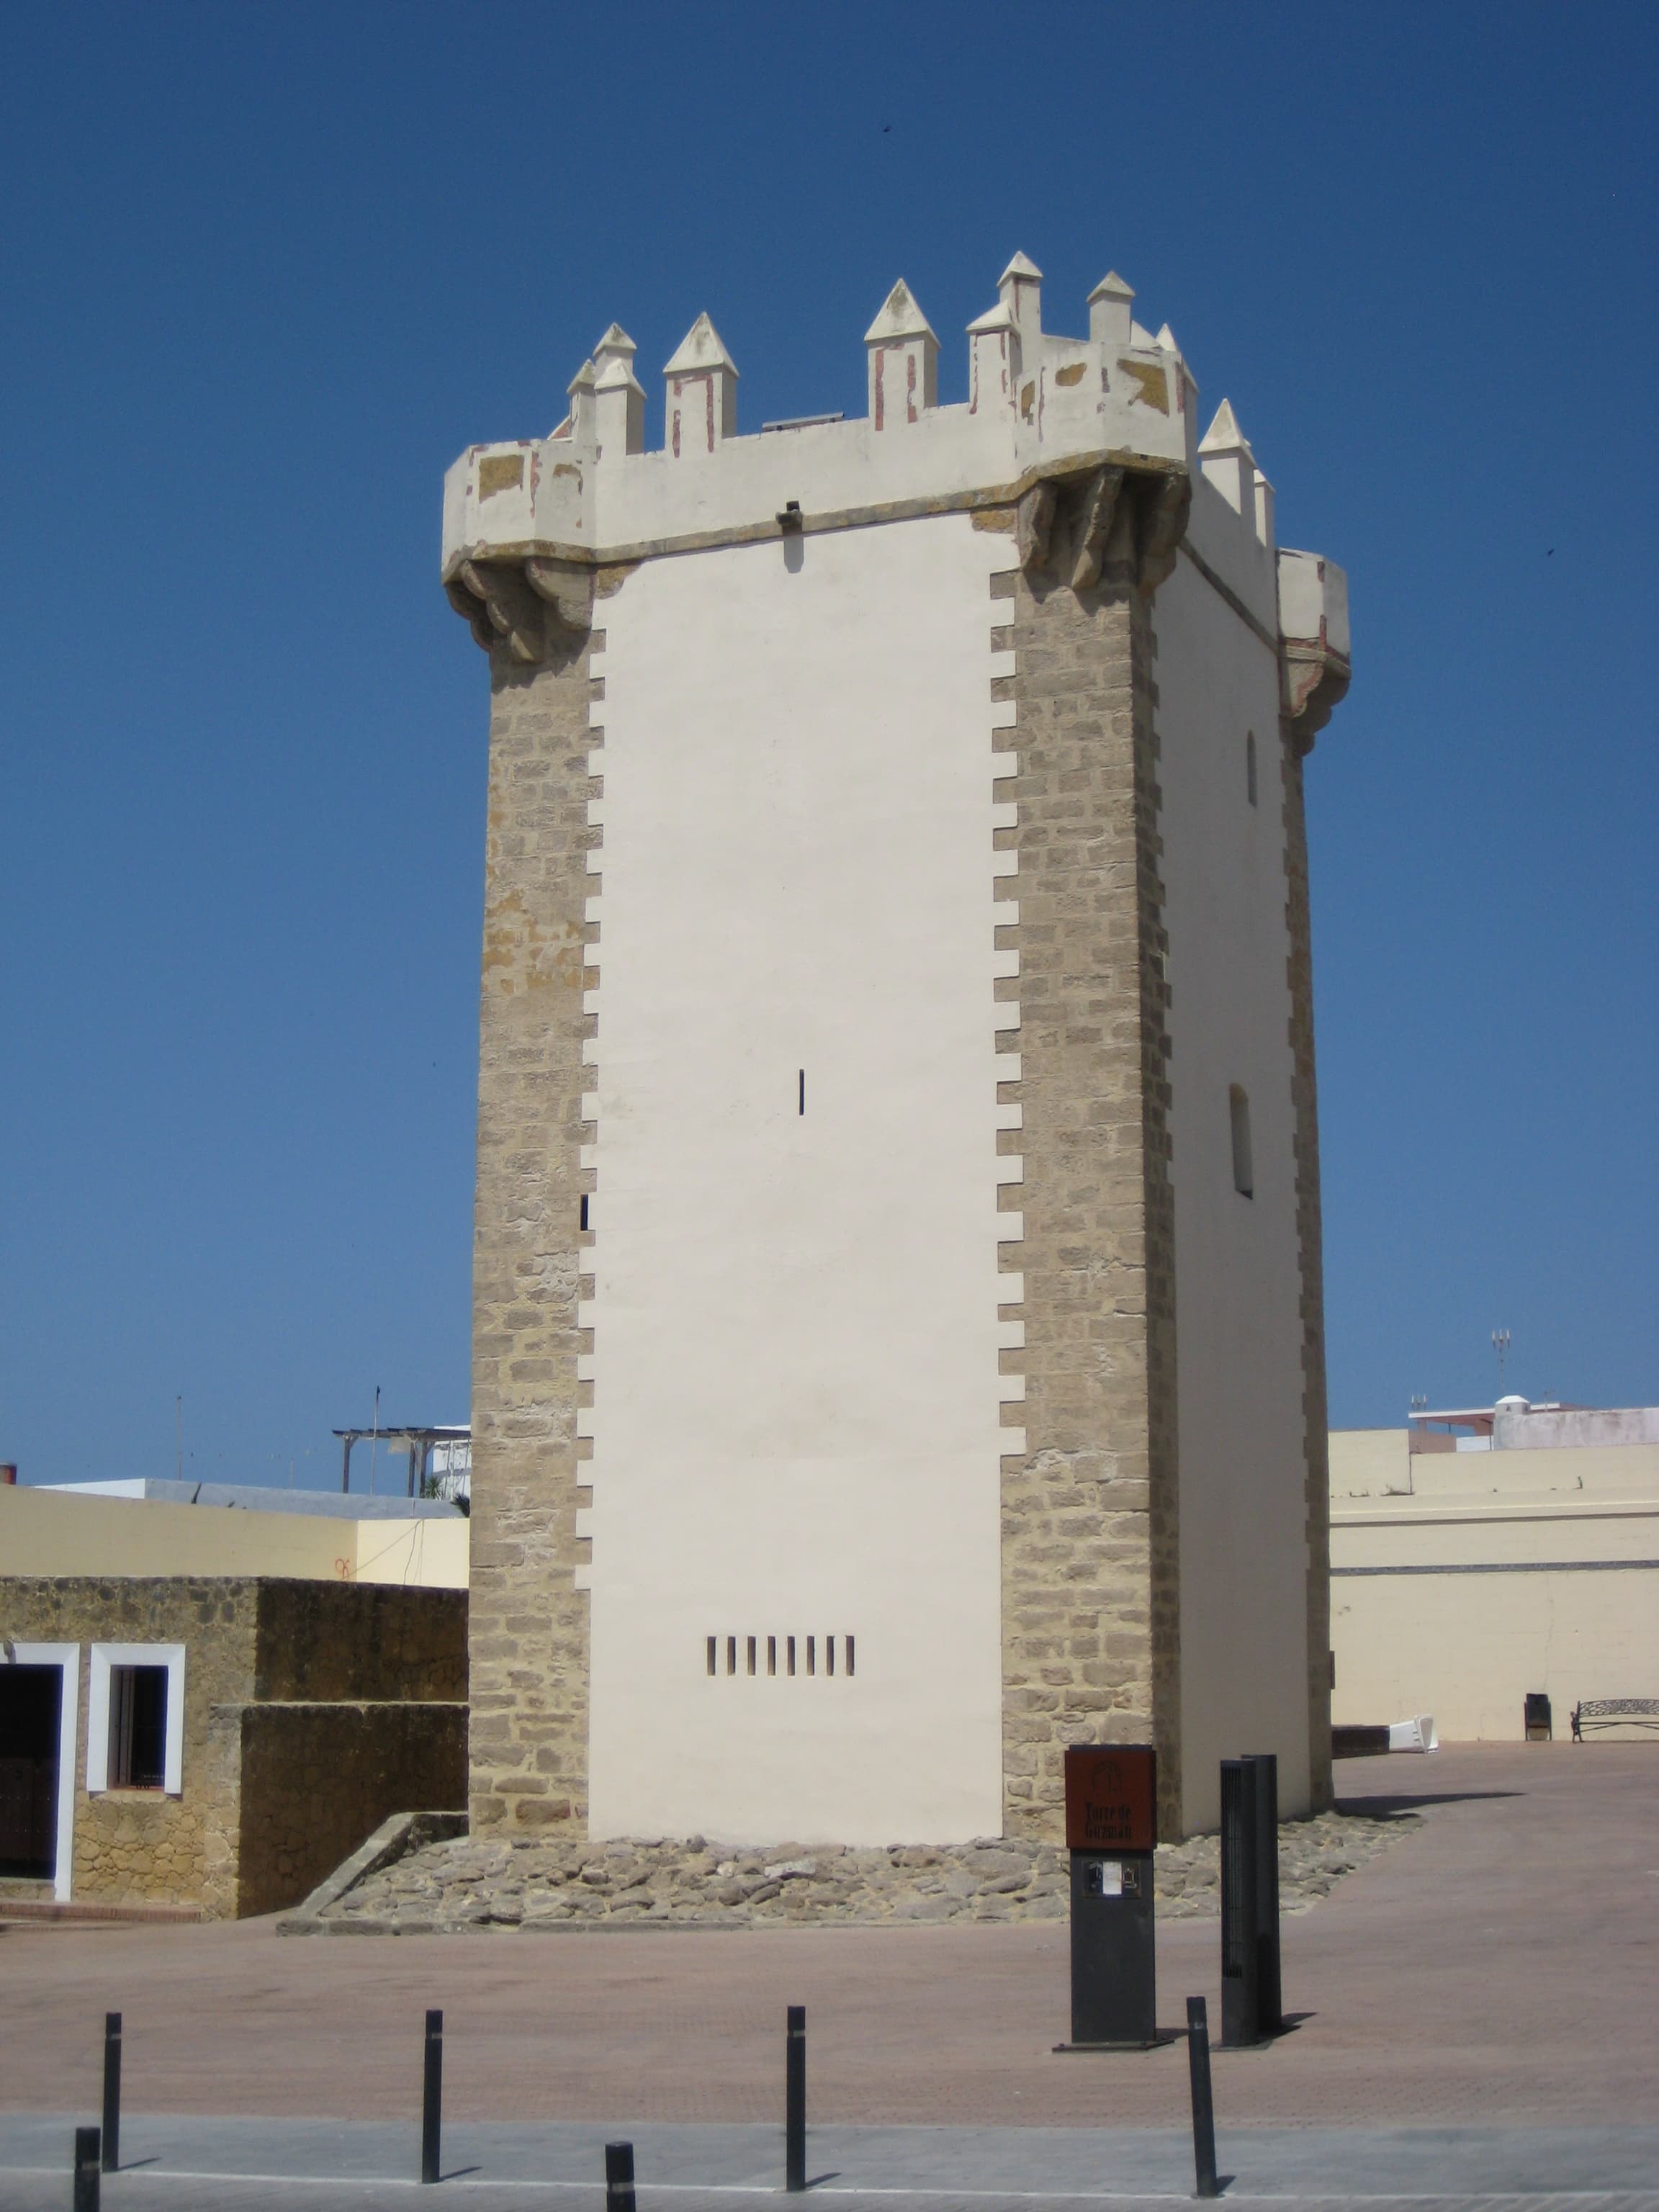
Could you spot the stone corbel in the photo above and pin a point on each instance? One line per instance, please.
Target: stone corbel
(1095, 513)
(523, 607)
(1315, 681)
(567, 588)
(511, 614)
(1106, 523)
(1034, 524)
(1163, 513)
(471, 611)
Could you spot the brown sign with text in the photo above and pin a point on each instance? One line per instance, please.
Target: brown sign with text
(1111, 1797)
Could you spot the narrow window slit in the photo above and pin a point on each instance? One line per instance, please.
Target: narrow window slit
(713, 1669)
(812, 1654)
(584, 1210)
(801, 1106)
(850, 1658)
(731, 1654)
(1238, 1107)
(789, 1654)
(771, 1655)
(751, 1655)
(1249, 765)
(829, 1655)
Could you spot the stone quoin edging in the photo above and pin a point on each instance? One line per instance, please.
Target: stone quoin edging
(465, 1883)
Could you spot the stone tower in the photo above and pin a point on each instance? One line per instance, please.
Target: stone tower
(897, 1322)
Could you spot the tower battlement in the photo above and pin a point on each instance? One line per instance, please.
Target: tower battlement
(1084, 436)
(1040, 406)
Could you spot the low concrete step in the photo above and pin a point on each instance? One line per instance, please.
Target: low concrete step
(48, 1907)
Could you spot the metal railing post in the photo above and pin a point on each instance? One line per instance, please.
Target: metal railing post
(432, 2098)
(87, 2169)
(1198, 2064)
(112, 2150)
(1241, 1907)
(619, 2178)
(794, 2102)
(1270, 1999)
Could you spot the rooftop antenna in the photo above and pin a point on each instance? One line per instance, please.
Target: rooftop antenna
(373, 1440)
(1500, 1345)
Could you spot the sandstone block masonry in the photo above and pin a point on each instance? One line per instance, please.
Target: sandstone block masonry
(529, 1628)
(1090, 1632)
(1297, 738)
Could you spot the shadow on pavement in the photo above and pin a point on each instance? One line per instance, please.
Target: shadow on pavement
(1391, 1808)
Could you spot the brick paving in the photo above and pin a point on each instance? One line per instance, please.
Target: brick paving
(1495, 1968)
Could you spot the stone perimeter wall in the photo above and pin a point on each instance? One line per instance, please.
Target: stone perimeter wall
(529, 1631)
(311, 1782)
(1090, 1592)
(321, 1641)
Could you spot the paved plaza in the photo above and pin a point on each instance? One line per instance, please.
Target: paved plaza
(1475, 2020)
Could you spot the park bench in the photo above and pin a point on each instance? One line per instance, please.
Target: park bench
(1613, 1713)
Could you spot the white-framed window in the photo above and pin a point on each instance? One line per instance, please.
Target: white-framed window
(135, 1719)
(67, 1658)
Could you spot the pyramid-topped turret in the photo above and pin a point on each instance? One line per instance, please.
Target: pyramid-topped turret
(700, 349)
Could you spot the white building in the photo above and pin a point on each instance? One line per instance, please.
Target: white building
(898, 1345)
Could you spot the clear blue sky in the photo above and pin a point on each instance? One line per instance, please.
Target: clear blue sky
(265, 270)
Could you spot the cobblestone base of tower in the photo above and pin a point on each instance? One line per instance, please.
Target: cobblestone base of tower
(466, 1884)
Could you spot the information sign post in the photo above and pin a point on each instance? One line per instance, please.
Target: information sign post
(1111, 1830)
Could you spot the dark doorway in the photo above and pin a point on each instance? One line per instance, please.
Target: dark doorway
(31, 1703)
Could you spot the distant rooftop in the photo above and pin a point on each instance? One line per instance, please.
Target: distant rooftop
(253, 1497)
(1515, 1423)
(440, 1458)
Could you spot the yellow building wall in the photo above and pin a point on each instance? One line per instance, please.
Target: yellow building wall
(1368, 1463)
(52, 1532)
(1461, 1581)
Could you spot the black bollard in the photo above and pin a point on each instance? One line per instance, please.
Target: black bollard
(1241, 1902)
(1198, 2064)
(619, 2178)
(112, 2158)
(1269, 1989)
(432, 2098)
(87, 2169)
(794, 2102)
